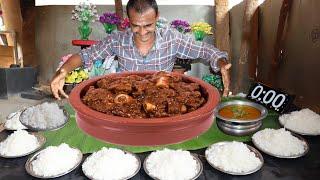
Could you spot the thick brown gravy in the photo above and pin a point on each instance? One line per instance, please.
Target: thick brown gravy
(241, 112)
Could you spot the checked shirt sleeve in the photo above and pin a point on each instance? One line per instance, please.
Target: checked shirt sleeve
(101, 50)
(188, 48)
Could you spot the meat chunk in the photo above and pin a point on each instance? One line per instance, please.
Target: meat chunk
(159, 95)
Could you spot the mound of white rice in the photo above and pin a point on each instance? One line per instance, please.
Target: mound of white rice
(303, 121)
(279, 142)
(18, 143)
(14, 123)
(110, 164)
(44, 116)
(172, 165)
(55, 160)
(233, 157)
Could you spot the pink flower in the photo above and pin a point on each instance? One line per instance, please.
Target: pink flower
(125, 23)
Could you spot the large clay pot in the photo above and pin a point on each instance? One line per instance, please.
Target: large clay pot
(149, 131)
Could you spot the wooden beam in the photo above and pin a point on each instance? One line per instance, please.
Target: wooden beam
(279, 42)
(119, 11)
(249, 26)
(222, 28)
(254, 41)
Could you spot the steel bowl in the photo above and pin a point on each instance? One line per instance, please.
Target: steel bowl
(237, 127)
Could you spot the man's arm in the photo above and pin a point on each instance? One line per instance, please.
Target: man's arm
(224, 69)
(85, 57)
(58, 79)
(188, 48)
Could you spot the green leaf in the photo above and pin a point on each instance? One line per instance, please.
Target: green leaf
(75, 137)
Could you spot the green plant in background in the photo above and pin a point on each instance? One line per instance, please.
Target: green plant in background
(109, 21)
(200, 30)
(214, 80)
(85, 13)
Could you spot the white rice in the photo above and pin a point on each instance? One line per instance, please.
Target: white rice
(303, 121)
(55, 160)
(44, 116)
(172, 165)
(14, 123)
(279, 142)
(110, 164)
(18, 143)
(233, 157)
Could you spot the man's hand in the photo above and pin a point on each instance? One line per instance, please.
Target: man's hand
(57, 84)
(224, 69)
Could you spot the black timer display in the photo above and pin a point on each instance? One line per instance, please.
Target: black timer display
(269, 97)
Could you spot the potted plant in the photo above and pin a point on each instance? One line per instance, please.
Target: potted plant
(200, 30)
(181, 25)
(109, 21)
(85, 13)
(74, 77)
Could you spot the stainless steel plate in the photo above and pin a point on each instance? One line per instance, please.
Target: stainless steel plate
(297, 132)
(306, 149)
(128, 177)
(12, 129)
(252, 149)
(199, 167)
(30, 171)
(10, 117)
(41, 140)
(66, 114)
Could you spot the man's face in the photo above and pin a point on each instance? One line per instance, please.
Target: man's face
(143, 25)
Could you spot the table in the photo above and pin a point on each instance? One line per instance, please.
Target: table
(303, 168)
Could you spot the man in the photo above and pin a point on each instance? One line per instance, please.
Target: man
(145, 47)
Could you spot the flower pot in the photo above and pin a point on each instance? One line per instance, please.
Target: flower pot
(199, 35)
(67, 88)
(84, 30)
(109, 27)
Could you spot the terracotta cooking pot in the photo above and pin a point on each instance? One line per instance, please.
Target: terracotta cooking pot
(148, 131)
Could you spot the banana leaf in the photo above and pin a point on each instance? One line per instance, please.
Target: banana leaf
(75, 137)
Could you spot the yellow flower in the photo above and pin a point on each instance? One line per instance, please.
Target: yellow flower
(83, 74)
(78, 80)
(201, 26)
(69, 79)
(76, 76)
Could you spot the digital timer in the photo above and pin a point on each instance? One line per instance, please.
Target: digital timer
(269, 97)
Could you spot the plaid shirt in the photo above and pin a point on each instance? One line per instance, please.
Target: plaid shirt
(169, 45)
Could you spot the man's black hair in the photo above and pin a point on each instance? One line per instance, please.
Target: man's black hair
(141, 6)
